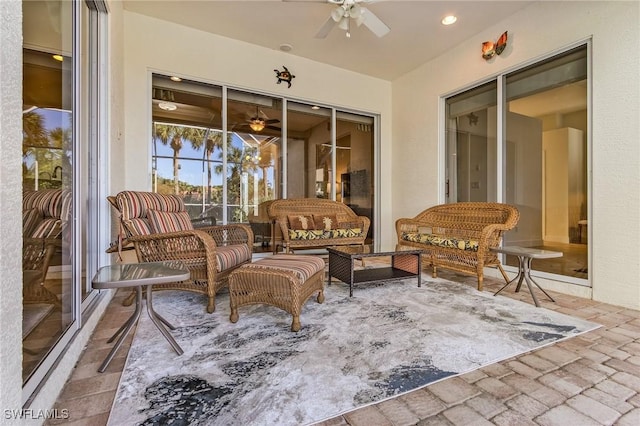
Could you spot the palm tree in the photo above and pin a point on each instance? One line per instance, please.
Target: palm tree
(174, 136)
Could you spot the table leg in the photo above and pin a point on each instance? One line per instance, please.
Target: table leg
(158, 320)
(527, 278)
(123, 331)
(518, 277)
(530, 280)
(524, 273)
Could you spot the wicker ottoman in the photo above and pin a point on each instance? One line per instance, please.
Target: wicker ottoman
(285, 281)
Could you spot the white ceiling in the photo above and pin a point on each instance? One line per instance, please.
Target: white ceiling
(416, 35)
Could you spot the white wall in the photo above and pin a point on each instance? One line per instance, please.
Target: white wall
(11, 205)
(157, 46)
(541, 29)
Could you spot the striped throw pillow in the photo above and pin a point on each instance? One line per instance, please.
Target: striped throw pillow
(162, 222)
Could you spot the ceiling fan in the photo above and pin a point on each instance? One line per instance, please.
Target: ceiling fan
(260, 121)
(347, 10)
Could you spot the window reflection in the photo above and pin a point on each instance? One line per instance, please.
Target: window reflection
(234, 176)
(47, 177)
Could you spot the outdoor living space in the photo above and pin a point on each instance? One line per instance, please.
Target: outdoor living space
(136, 133)
(591, 379)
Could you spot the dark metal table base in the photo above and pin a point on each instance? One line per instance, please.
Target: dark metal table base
(124, 330)
(403, 265)
(524, 273)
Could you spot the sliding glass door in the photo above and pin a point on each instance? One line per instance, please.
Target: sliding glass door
(229, 153)
(61, 176)
(529, 150)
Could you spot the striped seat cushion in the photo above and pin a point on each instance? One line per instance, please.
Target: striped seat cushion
(230, 256)
(303, 267)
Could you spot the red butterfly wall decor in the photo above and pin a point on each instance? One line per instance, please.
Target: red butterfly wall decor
(490, 49)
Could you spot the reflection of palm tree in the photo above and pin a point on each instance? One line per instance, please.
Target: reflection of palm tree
(214, 141)
(173, 136)
(61, 138)
(33, 131)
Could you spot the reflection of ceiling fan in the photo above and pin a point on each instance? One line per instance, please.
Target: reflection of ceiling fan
(260, 121)
(347, 10)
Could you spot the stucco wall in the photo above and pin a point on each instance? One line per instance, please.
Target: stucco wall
(154, 45)
(10, 205)
(537, 31)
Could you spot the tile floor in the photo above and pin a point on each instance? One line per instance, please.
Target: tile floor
(591, 379)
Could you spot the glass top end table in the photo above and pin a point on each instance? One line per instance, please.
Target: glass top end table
(138, 275)
(525, 255)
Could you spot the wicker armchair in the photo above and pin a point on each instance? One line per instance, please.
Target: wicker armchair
(351, 229)
(459, 236)
(158, 228)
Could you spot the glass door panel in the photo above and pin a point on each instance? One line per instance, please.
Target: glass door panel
(354, 164)
(546, 161)
(309, 151)
(253, 150)
(48, 178)
(471, 145)
(187, 145)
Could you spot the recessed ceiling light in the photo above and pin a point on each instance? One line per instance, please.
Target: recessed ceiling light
(315, 107)
(448, 20)
(58, 57)
(167, 106)
(174, 78)
(285, 47)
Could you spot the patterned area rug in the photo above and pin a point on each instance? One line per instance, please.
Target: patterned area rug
(386, 340)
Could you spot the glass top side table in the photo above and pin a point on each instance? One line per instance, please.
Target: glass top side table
(139, 275)
(525, 256)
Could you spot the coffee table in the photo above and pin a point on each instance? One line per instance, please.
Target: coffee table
(406, 262)
(525, 256)
(140, 275)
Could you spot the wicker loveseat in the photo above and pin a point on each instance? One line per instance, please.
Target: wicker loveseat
(159, 228)
(459, 236)
(317, 223)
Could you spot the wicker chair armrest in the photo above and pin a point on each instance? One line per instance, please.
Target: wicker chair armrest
(366, 223)
(406, 224)
(283, 222)
(182, 245)
(234, 233)
(492, 234)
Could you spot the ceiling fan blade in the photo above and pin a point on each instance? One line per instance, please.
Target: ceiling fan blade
(272, 121)
(326, 28)
(374, 23)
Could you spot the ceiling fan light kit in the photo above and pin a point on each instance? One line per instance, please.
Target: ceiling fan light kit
(257, 125)
(347, 10)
